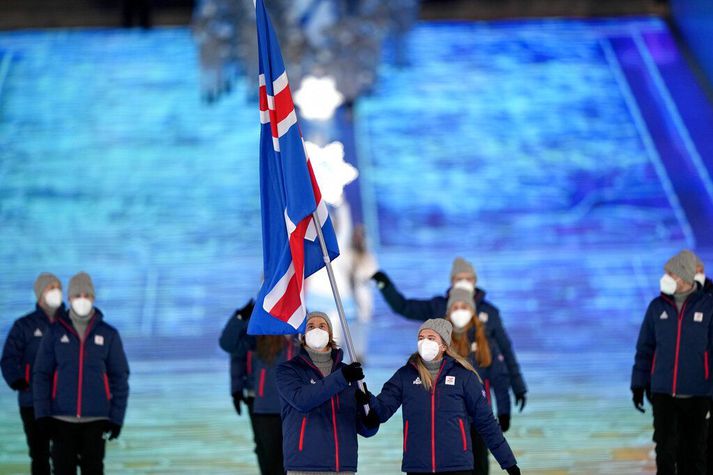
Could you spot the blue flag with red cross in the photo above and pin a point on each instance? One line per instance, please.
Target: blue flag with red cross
(289, 194)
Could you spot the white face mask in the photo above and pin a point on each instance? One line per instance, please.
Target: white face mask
(53, 298)
(428, 349)
(464, 284)
(668, 285)
(317, 338)
(700, 277)
(461, 318)
(82, 306)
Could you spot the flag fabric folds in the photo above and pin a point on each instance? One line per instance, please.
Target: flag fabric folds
(289, 194)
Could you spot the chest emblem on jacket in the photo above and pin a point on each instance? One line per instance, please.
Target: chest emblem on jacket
(483, 317)
(98, 340)
(417, 380)
(312, 381)
(698, 317)
(664, 315)
(451, 380)
(64, 339)
(38, 332)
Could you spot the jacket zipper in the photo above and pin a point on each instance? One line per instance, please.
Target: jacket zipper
(54, 385)
(678, 348)
(462, 434)
(705, 363)
(433, 419)
(302, 432)
(406, 436)
(261, 387)
(336, 437)
(27, 373)
(653, 364)
(106, 386)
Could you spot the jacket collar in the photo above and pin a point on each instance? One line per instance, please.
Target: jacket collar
(39, 312)
(337, 357)
(66, 321)
(690, 300)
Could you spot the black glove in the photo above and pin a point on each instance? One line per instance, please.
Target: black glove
(45, 426)
(382, 280)
(353, 372)
(520, 400)
(638, 398)
(514, 470)
(112, 430)
(372, 420)
(362, 397)
(237, 399)
(504, 420)
(19, 384)
(245, 312)
(249, 400)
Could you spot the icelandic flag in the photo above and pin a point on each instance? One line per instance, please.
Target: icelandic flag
(289, 194)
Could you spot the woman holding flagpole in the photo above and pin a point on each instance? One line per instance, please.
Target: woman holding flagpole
(321, 416)
(440, 393)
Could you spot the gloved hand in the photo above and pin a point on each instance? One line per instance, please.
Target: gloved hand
(514, 470)
(362, 397)
(504, 420)
(382, 280)
(245, 312)
(372, 420)
(19, 384)
(353, 372)
(112, 430)
(237, 399)
(638, 398)
(249, 400)
(45, 426)
(520, 400)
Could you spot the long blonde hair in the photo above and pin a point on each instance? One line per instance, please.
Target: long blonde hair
(425, 375)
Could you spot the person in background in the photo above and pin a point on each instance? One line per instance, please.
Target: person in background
(440, 392)
(705, 282)
(321, 415)
(18, 358)
(462, 276)
(470, 341)
(81, 383)
(672, 364)
(363, 265)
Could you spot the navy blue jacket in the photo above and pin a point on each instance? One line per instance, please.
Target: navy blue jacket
(20, 350)
(235, 341)
(422, 310)
(495, 382)
(89, 379)
(435, 422)
(262, 377)
(674, 350)
(320, 417)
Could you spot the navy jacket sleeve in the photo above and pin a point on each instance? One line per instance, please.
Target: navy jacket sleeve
(362, 429)
(117, 370)
(390, 398)
(485, 423)
(645, 348)
(501, 387)
(238, 373)
(12, 354)
(505, 345)
(305, 396)
(45, 364)
(412, 309)
(234, 338)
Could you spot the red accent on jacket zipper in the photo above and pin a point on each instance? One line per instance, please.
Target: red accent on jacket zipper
(433, 418)
(302, 432)
(106, 386)
(406, 436)
(261, 388)
(653, 363)
(54, 385)
(705, 362)
(487, 391)
(462, 434)
(678, 348)
(27, 373)
(336, 437)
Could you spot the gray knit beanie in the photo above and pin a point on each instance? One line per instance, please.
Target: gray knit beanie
(81, 284)
(441, 326)
(699, 262)
(460, 295)
(683, 265)
(460, 265)
(43, 281)
(323, 315)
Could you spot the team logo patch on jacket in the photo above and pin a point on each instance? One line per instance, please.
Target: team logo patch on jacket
(664, 315)
(451, 380)
(417, 380)
(38, 332)
(98, 340)
(698, 317)
(64, 339)
(483, 317)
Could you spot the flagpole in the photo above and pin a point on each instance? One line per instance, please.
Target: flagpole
(335, 290)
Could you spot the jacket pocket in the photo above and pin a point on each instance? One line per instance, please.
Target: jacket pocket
(107, 391)
(462, 434)
(261, 385)
(27, 373)
(406, 436)
(653, 363)
(302, 432)
(705, 364)
(54, 384)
